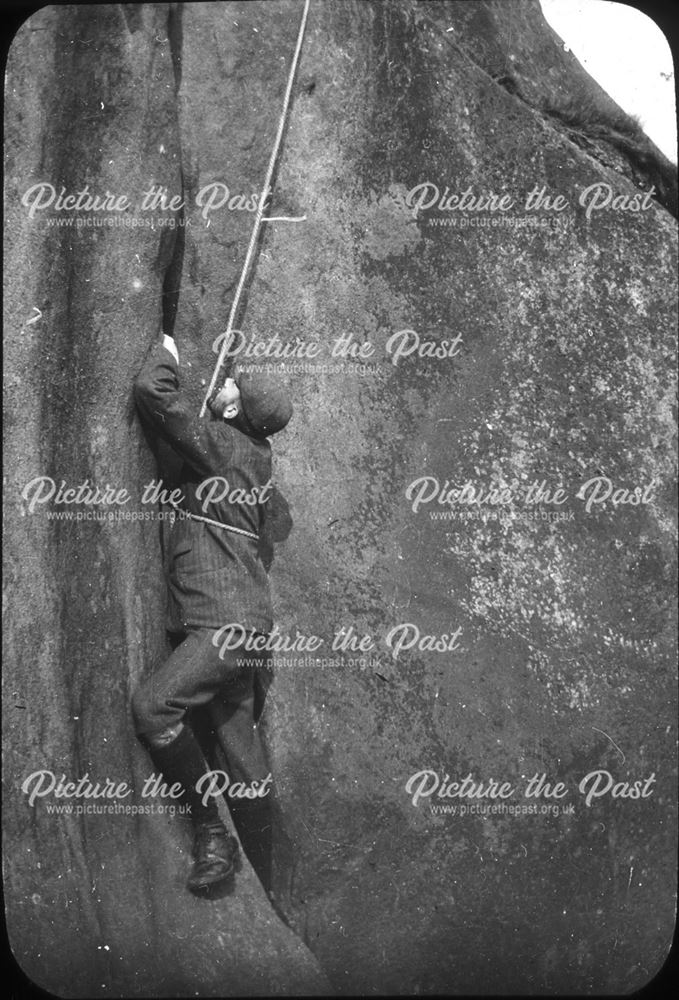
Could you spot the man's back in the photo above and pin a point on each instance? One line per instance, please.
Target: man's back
(215, 574)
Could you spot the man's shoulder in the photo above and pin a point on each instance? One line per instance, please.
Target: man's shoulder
(228, 437)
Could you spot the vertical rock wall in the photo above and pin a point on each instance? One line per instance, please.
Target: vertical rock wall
(96, 904)
(561, 661)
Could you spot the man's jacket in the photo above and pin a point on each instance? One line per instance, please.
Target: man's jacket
(215, 576)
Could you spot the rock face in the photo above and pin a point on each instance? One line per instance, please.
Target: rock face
(555, 370)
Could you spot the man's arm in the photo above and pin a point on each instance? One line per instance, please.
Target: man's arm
(164, 405)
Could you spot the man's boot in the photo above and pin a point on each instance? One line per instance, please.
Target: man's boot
(176, 754)
(215, 854)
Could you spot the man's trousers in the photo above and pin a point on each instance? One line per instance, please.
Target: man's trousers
(230, 689)
(227, 684)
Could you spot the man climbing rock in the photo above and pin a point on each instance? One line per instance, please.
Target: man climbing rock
(215, 578)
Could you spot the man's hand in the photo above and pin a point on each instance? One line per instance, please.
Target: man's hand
(169, 344)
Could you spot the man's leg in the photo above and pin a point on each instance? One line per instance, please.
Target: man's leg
(188, 679)
(233, 714)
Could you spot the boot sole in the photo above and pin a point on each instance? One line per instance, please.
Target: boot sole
(203, 887)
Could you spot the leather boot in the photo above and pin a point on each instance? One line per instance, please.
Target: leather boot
(215, 852)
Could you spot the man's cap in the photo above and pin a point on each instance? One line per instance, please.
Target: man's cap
(265, 403)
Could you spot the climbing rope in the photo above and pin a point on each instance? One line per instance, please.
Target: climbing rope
(228, 335)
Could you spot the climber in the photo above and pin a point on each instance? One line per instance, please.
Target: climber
(215, 575)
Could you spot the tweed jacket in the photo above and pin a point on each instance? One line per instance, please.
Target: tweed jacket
(215, 576)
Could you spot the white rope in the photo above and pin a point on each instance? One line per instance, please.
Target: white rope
(217, 524)
(260, 210)
(279, 218)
